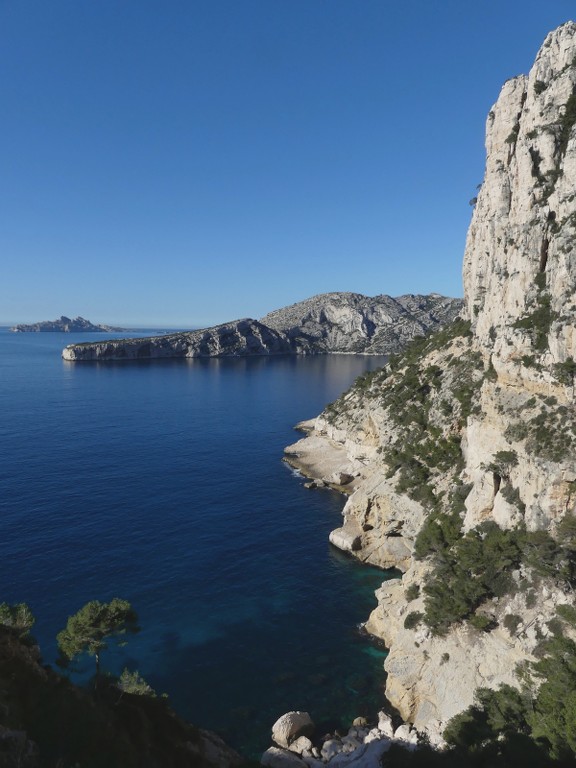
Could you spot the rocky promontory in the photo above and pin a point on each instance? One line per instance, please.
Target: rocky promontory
(65, 325)
(462, 451)
(328, 323)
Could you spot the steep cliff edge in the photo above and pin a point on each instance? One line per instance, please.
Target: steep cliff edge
(463, 448)
(331, 322)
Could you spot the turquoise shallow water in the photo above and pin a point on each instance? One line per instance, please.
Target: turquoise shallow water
(162, 482)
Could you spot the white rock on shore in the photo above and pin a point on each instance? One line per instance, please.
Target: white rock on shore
(361, 747)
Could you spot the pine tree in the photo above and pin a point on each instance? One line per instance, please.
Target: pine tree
(92, 628)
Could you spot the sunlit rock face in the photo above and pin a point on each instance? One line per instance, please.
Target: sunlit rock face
(519, 256)
(328, 323)
(486, 411)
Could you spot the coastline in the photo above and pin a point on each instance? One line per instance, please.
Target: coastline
(323, 461)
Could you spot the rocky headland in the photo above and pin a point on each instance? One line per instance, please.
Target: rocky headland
(65, 325)
(46, 721)
(460, 452)
(329, 323)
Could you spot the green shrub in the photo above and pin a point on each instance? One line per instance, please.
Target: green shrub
(512, 496)
(413, 619)
(540, 86)
(566, 123)
(511, 622)
(412, 592)
(568, 613)
(566, 371)
(132, 682)
(538, 322)
(17, 618)
(481, 622)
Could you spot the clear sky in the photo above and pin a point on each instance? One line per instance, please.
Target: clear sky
(185, 162)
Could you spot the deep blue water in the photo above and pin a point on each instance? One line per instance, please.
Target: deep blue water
(162, 482)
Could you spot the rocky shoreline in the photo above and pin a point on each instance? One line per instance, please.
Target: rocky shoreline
(460, 454)
(363, 744)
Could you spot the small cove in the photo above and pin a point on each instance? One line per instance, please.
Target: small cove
(162, 482)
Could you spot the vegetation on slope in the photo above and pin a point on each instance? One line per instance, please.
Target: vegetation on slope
(47, 722)
(428, 405)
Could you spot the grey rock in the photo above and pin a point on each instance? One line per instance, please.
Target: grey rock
(301, 745)
(281, 758)
(314, 762)
(385, 725)
(352, 322)
(65, 325)
(331, 322)
(290, 727)
(339, 478)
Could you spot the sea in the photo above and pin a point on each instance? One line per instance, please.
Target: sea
(162, 482)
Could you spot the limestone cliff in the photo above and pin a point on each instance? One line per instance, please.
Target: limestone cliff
(467, 441)
(351, 322)
(331, 322)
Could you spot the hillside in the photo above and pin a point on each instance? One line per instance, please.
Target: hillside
(331, 322)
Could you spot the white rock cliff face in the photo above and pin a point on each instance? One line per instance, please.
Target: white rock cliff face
(524, 222)
(488, 411)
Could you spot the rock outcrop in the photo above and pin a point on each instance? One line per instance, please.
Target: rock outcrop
(472, 431)
(65, 325)
(351, 322)
(363, 746)
(332, 322)
(292, 727)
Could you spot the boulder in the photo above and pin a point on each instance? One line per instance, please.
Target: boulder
(291, 726)
(330, 749)
(407, 736)
(339, 478)
(281, 758)
(346, 539)
(366, 756)
(300, 745)
(385, 724)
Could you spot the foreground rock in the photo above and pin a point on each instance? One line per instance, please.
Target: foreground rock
(291, 727)
(65, 325)
(473, 430)
(332, 322)
(362, 747)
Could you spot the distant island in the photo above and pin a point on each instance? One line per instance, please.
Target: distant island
(65, 325)
(329, 323)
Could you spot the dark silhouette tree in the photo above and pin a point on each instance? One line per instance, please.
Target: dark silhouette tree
(94, 627)
(18, 618)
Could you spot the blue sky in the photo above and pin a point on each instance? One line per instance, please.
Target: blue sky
(186, 162)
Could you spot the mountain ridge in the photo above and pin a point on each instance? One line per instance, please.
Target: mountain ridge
(327, 323)
(65, 325)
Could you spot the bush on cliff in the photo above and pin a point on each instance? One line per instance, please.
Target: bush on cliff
(539, 720)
